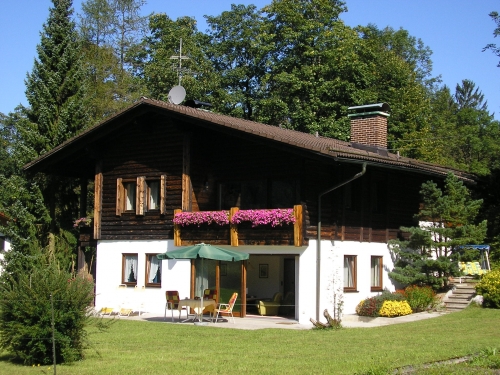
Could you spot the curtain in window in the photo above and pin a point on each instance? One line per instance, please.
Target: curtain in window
(375, 271)
(154, 190)
(348, 272)
(154, 269)
(130, 198)
(131, 268)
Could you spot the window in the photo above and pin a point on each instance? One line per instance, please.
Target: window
(378, 197)
(352, 196)
(140, 195)
(153, 192)
(376, 273)
(350, 273)
(153, 270)
(130, 191)
(258, 194)
(129, 269)
(2, 243)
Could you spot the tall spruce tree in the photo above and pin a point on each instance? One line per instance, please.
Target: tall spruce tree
(55, 90)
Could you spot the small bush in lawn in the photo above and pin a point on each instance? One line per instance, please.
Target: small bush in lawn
(371, 306)
(420, 298)
(395, 308)
(26, 315)
(489, 288)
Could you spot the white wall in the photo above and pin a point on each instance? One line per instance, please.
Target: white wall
(6, 247)
(332, 272)
(176, 274)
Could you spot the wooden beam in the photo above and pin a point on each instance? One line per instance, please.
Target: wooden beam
(298, 229)
(186, 174)
(243, 311)
(177, 231)
(120, 197)
(98, 200)
(163, 194)
(233, 228)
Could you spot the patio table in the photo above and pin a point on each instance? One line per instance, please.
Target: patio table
(195, 304)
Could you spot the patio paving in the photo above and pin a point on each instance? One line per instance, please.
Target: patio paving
(252, 322)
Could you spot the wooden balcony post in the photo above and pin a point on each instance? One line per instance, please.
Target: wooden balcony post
(298, 237)
(233, 227)
(177, 231)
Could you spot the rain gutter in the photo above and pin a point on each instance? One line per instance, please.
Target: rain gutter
(318, 241)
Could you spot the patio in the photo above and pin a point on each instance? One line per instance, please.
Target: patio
(253, 322)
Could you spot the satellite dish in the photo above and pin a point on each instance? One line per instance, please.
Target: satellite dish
(177, 94)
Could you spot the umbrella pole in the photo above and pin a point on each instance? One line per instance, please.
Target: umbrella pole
(200, 317)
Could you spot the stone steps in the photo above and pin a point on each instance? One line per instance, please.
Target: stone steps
(460, 296)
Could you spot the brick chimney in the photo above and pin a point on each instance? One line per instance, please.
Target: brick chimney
(369, 125)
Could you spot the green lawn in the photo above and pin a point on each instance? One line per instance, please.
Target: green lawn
(139, 347)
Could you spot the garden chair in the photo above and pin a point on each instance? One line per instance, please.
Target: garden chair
(123, 309)
(172, 303)
(140, 298)
(226, 308)
(210, 294)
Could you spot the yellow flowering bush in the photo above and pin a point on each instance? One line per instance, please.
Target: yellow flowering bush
(395, 308)
(489, 288)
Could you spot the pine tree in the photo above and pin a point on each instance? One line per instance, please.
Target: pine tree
(55, 88)
(448, 220)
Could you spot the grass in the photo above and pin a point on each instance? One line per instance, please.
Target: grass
(138, 347)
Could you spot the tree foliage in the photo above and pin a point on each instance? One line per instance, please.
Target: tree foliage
(30, 300)
(448, 220)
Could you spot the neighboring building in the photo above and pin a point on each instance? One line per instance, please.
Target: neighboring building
(4, 241)
(154, 158)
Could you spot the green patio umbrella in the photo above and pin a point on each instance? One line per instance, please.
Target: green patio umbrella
(204, 251)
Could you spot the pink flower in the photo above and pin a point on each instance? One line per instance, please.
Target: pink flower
(275, 217)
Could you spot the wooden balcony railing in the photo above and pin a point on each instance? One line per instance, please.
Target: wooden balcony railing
(243, 233)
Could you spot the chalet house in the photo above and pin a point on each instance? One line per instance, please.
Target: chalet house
(155, 160)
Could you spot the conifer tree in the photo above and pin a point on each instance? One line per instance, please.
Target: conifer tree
(448, 220)
(55, 88)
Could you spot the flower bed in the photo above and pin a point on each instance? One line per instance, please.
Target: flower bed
(274, 217)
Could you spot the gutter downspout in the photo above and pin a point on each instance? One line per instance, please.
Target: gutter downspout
(318, 240)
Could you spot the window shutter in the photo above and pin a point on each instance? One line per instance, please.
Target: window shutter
(141, 196)
(163, 194)
(120, 197)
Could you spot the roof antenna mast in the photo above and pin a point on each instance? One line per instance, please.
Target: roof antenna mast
(179, 68)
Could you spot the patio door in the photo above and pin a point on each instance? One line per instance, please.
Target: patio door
(231, 281)
(225, 277)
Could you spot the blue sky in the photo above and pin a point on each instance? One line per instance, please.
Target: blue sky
(455, 30)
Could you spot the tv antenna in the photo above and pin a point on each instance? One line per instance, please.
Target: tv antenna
(180, 70)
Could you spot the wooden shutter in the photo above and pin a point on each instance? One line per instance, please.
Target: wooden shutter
(120, 197)
(141, 196)
(163, 194)
(98, 201)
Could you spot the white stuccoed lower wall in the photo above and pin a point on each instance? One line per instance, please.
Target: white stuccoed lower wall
(332, 272)
(176, 274)
(6, 247)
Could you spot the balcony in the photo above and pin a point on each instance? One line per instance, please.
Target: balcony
(252, 227)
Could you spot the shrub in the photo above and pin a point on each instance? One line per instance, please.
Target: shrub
(420, 298)
(489, 288)
(26, 315)
(371, 306)
(395, 308)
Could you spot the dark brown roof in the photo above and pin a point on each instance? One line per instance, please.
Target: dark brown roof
(326, 147)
